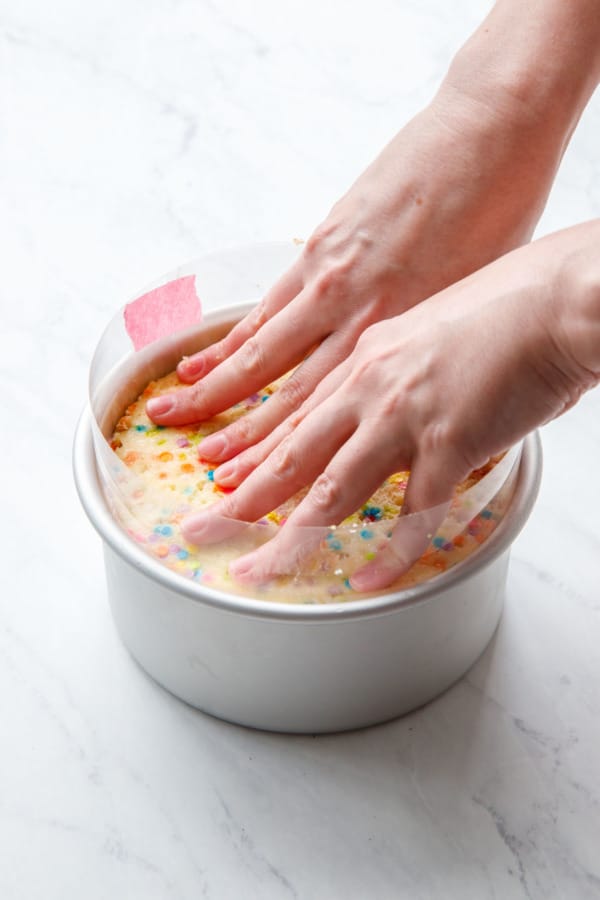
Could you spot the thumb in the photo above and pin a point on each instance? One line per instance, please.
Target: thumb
(426, 504)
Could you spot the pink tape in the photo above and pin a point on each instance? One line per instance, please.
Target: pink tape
(160, 312)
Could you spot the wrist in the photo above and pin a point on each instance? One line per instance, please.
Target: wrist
(579, 300)
(532, 66)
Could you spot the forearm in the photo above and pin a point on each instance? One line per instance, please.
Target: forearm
(502, 119)
(463, 183)
(467, 179)
(535, 63)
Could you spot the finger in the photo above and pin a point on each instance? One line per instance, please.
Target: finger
(281, 343)
(233, 472)
(265, 420)
(346, 483)
(426, 503)
(236, 470)
(283, 291)
(296, 462)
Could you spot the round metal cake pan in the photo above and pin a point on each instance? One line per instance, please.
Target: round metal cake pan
(303, 668)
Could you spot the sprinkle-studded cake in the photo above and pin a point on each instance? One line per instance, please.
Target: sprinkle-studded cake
(162, 478)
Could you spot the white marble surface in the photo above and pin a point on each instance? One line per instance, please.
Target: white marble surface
(135, 135)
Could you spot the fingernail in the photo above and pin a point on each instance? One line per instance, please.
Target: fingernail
(211, 527)
(191, 367)
(213, 446)
(194, 528)
(158, 406)
(360, 581)
(242, 566)
(372, 578)
(226, 473)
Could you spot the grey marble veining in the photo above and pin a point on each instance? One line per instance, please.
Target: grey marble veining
(135, 137)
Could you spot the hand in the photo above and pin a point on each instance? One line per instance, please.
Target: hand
(462, 183)
(415, 222)
(439, 390)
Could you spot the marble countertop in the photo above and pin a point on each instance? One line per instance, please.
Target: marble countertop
(135, 138)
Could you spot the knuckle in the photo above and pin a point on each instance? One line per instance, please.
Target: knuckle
(333, 282)
(439, 436)
(391, 406)
(369, 334)
(242, 431)
(231, 342)
(291, 423)
(228, 508)
(292, 393)
(362, 341)
(248, 460)
(218, 352)
(193, 395)
(258, 316)
(313, 245)
(447, 441)
(294, 419)
(365, 373)
(251, 359)
(326, 493)
(284, 461)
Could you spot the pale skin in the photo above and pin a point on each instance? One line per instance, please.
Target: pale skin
(426, 354)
